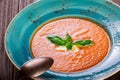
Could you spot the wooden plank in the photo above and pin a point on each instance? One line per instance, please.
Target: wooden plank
(116, 1)
(4, 65)
(7, 10)
(24, 3)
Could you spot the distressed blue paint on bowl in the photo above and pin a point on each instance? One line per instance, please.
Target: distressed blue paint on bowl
(22, 27)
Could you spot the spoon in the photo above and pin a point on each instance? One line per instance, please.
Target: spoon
(37, 66)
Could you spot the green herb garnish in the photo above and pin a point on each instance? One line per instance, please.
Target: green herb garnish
(68, 39)
(83, 43)
(68, 46)
(68, 43)
(57, 40)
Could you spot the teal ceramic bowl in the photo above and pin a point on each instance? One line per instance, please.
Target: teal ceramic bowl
(22, 27)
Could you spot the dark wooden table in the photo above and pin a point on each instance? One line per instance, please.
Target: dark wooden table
(8, 9)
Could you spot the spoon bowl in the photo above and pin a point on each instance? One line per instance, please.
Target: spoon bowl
(37, 66)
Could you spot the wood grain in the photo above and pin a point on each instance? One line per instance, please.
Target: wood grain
(6, 68)
(8, 9)
(116, 1)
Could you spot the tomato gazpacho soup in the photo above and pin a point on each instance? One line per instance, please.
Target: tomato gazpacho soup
(75, 44)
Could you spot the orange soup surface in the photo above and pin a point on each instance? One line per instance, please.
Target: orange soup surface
(78, 29)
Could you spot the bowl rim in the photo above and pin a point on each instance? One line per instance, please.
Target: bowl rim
(6, 51)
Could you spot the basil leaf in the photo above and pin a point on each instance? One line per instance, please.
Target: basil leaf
(83, 43)
(68, 46)
(68, 38)
(68, 42)
(56, 40)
